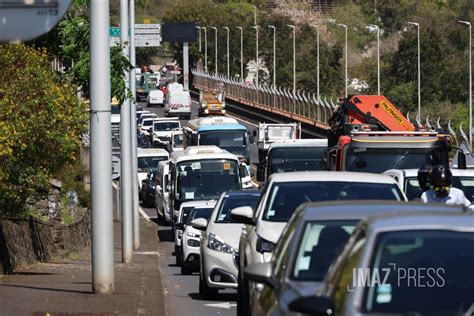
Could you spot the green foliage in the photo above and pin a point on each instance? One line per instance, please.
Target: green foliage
(40, 124)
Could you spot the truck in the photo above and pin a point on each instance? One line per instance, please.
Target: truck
(268, 133)
(144, 83)
(211, 103)
(369, 134)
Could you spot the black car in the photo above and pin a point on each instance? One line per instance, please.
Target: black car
(147, 192)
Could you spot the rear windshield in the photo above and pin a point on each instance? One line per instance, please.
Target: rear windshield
(165, 126)
(285, 197)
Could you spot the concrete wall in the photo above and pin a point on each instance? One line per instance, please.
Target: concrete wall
(31, 240)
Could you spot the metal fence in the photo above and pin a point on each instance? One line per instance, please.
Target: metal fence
(299, 105)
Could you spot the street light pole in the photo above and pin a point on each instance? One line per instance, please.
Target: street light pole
(274, 55)
(199, 35)
(228, 70)
(419, 67)
(317, 63)
(241, 53)
(345, 54)
(376, 27)
(255, 15)
(256, 53)
(205, 48)
(470, 80)
(294, 57)
(215, 49)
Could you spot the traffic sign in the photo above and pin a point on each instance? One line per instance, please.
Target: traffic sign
(147, 43)
(114, 31)
(148, 26)
(25, 20)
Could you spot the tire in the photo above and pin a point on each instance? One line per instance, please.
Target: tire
(178, 259)
(206, 292)
(243, 297)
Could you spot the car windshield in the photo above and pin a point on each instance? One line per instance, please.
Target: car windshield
(231, 202)
(199, 213)
(147, 164)
(206, 179)
(288, 159)
(285, 197)
(165, 126)
(178, 140)
(441, 266)
(378, 160)
(185, 213)
(222, 138)
(465, 184)
(147, 122)
(320, 244)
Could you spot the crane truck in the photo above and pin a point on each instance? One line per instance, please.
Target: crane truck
(369, 134)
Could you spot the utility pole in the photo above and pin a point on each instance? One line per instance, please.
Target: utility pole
(376, 27)
(317, 64)
(345, 54)
(294, 58)
(228, 69)
(199, 35)
(125, 149)
(215, 49)
(274, 55)
(470, 80)
(255, 15)
(417, 25)
(133, 135)
(256, 54)
(241, 53)
(101, 151)
(205, 48)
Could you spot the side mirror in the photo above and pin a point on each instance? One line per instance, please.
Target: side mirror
(260, 273)
(199, 223)
(179, 226)
(462, 163)
(260, 172)
(313, 305)
(242, 215)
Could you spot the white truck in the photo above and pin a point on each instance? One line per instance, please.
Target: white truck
(268, 133)
(162, 129)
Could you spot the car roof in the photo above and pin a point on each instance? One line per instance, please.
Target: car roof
(343, 176)
(201, 152)
(334, 210)
(422, 221)
(164, 119)
(151, 152)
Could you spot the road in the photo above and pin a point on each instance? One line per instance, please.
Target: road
(182, 291)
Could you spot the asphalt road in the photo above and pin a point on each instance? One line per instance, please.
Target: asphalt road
(182, 291)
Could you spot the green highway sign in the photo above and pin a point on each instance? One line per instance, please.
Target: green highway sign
(114, 31)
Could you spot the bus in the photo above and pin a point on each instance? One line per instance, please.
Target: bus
(223, 132)
(202, 173)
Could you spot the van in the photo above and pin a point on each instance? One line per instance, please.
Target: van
(178, 104)
(162, 192)
(155, 97)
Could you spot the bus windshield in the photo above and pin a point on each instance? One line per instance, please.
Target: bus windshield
(232, 141)
(288, 159)
(206, 179)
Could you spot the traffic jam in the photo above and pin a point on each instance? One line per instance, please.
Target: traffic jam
(374, 219)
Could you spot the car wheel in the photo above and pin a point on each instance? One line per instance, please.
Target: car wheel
(205, 291)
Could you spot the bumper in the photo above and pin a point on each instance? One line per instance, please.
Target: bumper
(190, 254)
(181, 113)
(220, 268)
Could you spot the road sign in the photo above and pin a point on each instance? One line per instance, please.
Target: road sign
(115, 167)
(147, 43)
(146, 21)
(148, 26)
(25, 20)
(146, 35)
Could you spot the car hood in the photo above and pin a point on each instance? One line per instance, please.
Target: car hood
(229, 233)
(270, 231)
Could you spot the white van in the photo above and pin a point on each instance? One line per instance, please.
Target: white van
(178, 104)
(155, 97)
(162, 194)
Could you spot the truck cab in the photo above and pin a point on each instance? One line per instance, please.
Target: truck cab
(268, 133)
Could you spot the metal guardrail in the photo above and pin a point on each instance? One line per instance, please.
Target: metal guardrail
(300, 106)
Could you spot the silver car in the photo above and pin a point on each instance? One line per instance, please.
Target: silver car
(411, 264)
(311, 241)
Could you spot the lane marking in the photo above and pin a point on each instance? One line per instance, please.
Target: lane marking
(154, 253)
(226, 305)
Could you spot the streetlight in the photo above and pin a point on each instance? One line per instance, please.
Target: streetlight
(205, 48)
(376, 27)
(294, 57)
(274, 55)
(317, 63)
(470, 80)
(215, 49)
(345, 53)
(241, 52)
(227, 28)
(255, 15)
(199, 34)
(419, 70)
(256, 53)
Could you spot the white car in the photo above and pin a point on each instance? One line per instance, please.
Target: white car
(162, 128)
(155, 97)
(220, 243)
(191, 240)
(180, 220)
(463, 179)
(146, 125)
(283, 193)
(148, 159)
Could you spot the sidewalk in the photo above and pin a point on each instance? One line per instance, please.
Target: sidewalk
(65, 287)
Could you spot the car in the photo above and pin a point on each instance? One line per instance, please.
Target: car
(146, 126)
(176, 141)
(155, 97)
(148, 159)
(370, 277)
(192, 238)
(162, 128)
(246, 177)
(463, 179)
(220, 243)
(283, 193)
(178, 103)
(314, 236)
(180, 220)
(147, 190)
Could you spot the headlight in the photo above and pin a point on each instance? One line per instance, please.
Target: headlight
(219, 245)
(264, 245)
(193, 243)
(191, 234)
